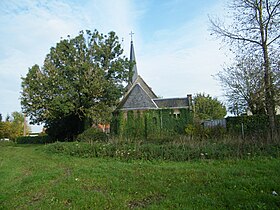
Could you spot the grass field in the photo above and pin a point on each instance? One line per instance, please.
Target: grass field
(33, 179)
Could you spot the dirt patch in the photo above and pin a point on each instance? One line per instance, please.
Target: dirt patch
(145, 202)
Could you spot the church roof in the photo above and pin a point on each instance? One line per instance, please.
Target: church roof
(138, 98)
(172, 102)
(138, 95)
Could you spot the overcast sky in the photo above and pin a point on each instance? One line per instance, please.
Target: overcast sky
(175, 53)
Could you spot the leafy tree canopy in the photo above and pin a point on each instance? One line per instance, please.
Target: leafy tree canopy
(208, 108)
(80, 82)
(13, 127)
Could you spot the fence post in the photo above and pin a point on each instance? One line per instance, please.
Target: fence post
(242, 130)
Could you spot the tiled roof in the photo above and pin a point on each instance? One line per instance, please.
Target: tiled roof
(138, 95)
(172, 102)
(137, 98)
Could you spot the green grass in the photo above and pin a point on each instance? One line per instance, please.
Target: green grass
(33, 179)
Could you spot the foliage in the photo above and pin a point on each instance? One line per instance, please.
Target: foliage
(91, 135)
(5, 130)
(180, 149)
(32, 179)
(7, 143)
(13, 127)
(256, 126)
(208, 108)
(79, 83)
(42, 139)
(254, 30)
(198, 132)
(243, 86)
(150, 124)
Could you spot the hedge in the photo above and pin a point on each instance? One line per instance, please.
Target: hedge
(34, 140)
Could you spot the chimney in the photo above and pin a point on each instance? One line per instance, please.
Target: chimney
(190, 103)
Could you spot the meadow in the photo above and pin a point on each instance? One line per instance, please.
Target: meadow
(36, 177)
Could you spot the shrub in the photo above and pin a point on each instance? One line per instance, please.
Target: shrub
(7, 143)
(92, 135)
(34, 139)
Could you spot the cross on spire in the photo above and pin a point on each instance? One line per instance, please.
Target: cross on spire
(131, 35)
(132, 69)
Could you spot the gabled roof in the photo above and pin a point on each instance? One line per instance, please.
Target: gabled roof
(139, 80)
(138, 96)
(172, 102)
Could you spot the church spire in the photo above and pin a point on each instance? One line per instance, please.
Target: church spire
(133, 69)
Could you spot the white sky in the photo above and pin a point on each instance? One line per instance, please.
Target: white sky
(175, 53)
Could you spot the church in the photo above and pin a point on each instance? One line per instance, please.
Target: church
(141, 114)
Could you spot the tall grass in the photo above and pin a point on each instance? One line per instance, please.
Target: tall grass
(180, 148)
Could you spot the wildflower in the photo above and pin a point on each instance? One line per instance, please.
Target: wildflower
(201, 154)
(274, 193)
(77, 179)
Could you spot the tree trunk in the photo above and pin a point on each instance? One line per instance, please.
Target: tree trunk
(269, 98)
(269, 93)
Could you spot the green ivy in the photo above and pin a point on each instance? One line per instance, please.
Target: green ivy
(150, 124)
(250, 126)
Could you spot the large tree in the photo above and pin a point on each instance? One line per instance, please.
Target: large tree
(243, 84)
(80, 82)
(254, 28)
(208, 108)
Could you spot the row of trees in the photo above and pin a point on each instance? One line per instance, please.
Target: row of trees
(13, 126)
(253, 33)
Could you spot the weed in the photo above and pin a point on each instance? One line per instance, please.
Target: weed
(181, 149)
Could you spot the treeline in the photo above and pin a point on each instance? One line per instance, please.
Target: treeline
(12, 126)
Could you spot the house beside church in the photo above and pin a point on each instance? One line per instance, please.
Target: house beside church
(141, 113)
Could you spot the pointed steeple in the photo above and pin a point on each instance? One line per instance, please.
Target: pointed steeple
(133, 69)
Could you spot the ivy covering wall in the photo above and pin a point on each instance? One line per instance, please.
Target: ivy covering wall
(252, 126)
(153, 123)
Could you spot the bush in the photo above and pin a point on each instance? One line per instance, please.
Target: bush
(92, 135)
(34, 140)
(7, 143)
(197, 131)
